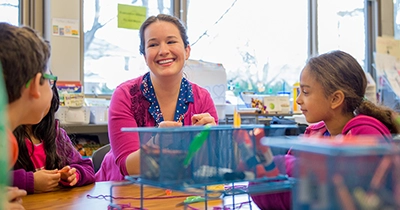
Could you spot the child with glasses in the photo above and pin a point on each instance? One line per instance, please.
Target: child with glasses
(24, 57)
(13, 199)
(47, 158)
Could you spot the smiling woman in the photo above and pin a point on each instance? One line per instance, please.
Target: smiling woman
(161, 97)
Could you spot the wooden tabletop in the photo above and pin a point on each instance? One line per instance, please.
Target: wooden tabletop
(77, 198)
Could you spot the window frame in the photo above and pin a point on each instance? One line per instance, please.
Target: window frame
(32, 14)
(371, 8)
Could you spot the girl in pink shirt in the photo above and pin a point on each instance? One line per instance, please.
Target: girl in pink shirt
(47, 159)
(332, 98)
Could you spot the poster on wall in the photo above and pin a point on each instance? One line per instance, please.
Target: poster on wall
(65, 27)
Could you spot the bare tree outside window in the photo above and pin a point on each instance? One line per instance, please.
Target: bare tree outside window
(396, 7)
(9, 11)
(112, 53)
(263, 44)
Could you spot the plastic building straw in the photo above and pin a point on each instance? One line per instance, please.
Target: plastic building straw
(196, 144)
(236, 119)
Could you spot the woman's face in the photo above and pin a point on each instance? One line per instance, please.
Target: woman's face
(165, 52)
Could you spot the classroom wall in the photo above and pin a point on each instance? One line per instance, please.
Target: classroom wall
(66, 53)
(387, 18)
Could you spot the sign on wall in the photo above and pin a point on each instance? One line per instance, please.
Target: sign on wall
(65, 27)
(131, 17)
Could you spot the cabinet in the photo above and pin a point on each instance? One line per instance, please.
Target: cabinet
(88, 137)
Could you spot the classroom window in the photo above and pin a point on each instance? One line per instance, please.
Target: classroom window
(341, 25)
(396, 7)
(263, 44)
(9, 11)
(111, 54)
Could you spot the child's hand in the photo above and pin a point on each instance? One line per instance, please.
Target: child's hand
(68, 174)
(14, 195)
(46, 180)
(14, 199)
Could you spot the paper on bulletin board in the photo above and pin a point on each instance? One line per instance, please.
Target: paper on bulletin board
(370, 91)
(388, 66)
(131, 17)
(384, 61)
(388, 45)
(393, 77)
(211, 76)
(65, 27)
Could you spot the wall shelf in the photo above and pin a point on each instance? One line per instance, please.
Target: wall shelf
(85, 129)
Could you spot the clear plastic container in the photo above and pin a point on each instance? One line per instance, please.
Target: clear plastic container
(360, 172)
(224, 155)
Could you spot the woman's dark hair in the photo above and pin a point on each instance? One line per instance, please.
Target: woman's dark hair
(338, 70)
(165, 18)
(47, 131)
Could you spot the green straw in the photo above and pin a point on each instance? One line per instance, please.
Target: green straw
(196, 144)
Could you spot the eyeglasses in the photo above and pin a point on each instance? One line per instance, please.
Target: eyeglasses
(52, 80)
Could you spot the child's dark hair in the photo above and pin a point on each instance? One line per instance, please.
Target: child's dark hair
(47, 131)
(165, 18)
(23, 54)
(338, 70)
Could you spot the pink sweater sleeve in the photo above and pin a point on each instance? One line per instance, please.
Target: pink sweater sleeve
(209, 106)
(120, 115)
(203, 103)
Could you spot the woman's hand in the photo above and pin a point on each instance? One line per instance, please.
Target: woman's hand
(46, 180)
(165, 124)
(203, 119)
(167, 138)
(68, 174)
